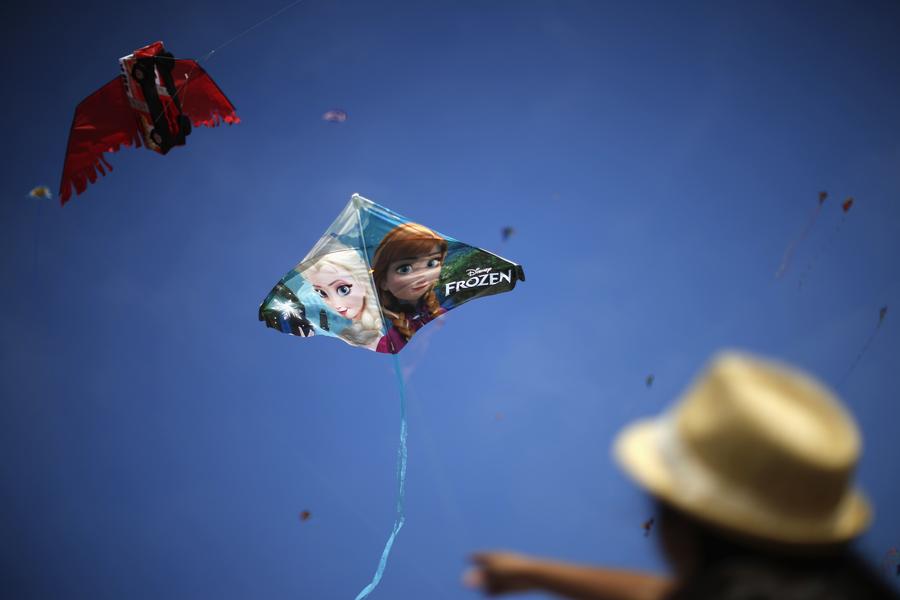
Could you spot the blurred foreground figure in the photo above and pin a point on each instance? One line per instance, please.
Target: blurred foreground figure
(752, 470)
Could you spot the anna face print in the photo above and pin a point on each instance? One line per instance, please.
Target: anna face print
(410, 278)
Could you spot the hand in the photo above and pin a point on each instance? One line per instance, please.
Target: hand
(499, 573)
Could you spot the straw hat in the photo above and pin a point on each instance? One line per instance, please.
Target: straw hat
(757, 448)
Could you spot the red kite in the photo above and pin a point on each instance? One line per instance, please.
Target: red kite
(155, 100)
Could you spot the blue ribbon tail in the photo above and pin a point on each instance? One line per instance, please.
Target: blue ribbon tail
(401, 484)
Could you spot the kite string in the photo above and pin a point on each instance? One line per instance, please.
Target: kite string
(401, 484)
(209, 54)
(789, 253)
(859, 356)
(249, 29)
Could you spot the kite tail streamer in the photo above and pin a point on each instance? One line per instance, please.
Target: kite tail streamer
(401, 481)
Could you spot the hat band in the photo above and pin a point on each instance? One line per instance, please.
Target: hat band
(696, 486)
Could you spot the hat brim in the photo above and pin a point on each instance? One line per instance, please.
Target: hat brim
(638, 449)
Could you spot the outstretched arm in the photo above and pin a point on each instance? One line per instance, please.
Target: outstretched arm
(505, 572)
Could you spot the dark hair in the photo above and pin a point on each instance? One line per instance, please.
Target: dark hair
(729, 568)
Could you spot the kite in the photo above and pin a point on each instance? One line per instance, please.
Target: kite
(41, 191)
(305, 515)
(506, 233)
(373, 280)
(647, 526)
(649, 380)
(882, 313)
(155, 100)
(847, 205)
(789, 252)
(335, 116)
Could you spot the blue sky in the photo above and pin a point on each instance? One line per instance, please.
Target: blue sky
(655, 159)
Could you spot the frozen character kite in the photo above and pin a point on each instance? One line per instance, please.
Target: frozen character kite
(341, 279)
(375, 279)
(155, 100)
(406, 267)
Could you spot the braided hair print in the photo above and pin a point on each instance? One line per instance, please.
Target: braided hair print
(341, 279)
(406, 265)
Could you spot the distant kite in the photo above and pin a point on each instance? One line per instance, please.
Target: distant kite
(848, 204)
(335, 116)
(41, 191)
(507, 232)
(648, 525)
(649, 380)
(789, 252)
(305, 515)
